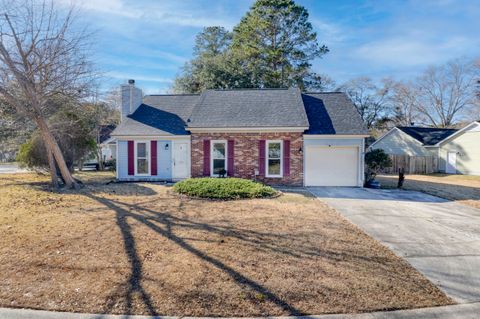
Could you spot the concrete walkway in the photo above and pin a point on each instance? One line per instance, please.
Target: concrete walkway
(11, 168)
(441, 239)
(464, 311)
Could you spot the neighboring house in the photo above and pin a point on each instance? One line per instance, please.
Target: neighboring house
(277, 136)
(457, 151)
(108, 145)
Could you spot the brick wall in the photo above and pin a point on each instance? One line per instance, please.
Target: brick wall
(246, 155)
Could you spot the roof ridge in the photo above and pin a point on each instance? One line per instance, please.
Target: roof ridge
(430, 128)
(301, 105)
(329, 92)
(180, 94)
(250, 89)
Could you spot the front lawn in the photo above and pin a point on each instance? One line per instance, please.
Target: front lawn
(464, 189)
(139, 248)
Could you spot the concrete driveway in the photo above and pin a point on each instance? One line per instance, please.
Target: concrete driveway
(11, 168)
(439, 238)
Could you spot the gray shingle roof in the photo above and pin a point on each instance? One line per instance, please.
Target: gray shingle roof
(249, 108)
(427, 135)
(332, 113)
(323, 113)
(159, 115)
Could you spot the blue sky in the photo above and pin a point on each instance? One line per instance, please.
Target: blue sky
(150, 40)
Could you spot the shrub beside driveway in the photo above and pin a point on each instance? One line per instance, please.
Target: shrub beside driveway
(140, 248)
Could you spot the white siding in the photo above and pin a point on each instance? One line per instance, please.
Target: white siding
(398, 143)
(164, 160)
(467, 146)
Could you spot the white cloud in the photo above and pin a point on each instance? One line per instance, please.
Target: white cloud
(411, 52)
(329, 33)
(171, 13)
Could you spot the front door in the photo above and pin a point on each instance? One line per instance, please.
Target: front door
(451, 163)
(180, 160)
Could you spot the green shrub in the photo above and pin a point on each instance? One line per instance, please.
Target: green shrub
(223, 188)
(375, 161)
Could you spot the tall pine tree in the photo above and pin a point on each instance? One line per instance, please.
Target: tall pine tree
(272, 46)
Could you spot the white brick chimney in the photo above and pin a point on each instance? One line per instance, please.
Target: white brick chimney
(131, 98)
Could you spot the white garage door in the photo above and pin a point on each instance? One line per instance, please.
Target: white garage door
(331, 166)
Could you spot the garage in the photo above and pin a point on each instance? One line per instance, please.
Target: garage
(331, 166)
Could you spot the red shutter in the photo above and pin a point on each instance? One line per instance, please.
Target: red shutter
(261, 157)
(286, 158)
(153, 157)
(131, 158)
(206, 157)
(230, 156)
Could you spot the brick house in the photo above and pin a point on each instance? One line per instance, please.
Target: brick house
(276, 136)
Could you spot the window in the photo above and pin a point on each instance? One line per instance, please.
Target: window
(142, 162)
(219, 158)
(274, 158)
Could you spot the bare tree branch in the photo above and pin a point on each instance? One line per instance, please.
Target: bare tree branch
(43, 54)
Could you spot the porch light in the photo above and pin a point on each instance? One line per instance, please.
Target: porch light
(300, 150)
(166, 147)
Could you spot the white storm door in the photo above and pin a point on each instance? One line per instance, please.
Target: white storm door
(180, 160)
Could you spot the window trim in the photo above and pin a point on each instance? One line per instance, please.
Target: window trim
(267, 143)
(212, 142)
(148, 158)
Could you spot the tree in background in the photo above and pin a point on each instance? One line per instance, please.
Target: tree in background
(209, 67)
(314, 82)
(105, 114)
(42, 56)
(75, 128)
(14, 130)
(272, 47)
(447, 92)
(370, 100)
(405, 104)
(276, 43)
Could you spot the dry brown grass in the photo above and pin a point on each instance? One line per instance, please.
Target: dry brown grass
(138, 248)
(464, 189)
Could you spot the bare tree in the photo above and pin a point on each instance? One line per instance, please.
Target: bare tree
(370, 100)
(446, 92)
(43, 55)
(404, 101)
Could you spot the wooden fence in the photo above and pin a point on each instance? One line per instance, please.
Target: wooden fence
(413, 164)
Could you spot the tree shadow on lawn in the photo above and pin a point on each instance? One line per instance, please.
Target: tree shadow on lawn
(162, 223)
(134, 282)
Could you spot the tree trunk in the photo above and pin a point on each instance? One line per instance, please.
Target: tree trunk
(53, 168)
(52, 145)
(99, 158)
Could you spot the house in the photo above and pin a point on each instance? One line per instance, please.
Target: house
(276, 136)
(108, 146)
(457, 151)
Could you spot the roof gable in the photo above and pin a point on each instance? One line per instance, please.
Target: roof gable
(472, 127)
(428, 136)
(332, 113)
(159, 115)
(249, 108)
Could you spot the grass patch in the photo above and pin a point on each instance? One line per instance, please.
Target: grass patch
(137, 248)
(223, 188)
(464, 189)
